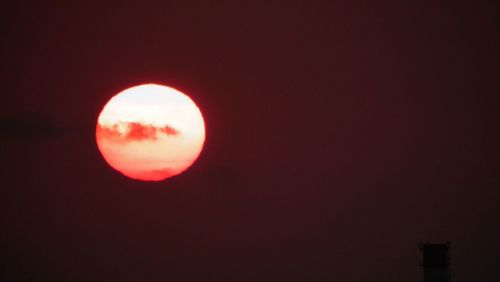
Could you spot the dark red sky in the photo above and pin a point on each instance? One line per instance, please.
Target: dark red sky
(339, 135)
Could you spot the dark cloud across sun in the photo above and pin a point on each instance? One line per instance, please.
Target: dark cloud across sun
(135, 131)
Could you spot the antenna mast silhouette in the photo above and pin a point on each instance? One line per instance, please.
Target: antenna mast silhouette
(435, 262)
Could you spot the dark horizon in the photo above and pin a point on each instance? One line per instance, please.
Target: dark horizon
(339, 136)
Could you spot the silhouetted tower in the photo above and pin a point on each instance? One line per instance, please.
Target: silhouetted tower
(435, 262)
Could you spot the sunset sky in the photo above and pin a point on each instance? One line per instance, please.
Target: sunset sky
(339, 135)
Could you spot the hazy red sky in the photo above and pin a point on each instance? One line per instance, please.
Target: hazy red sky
(339, 135)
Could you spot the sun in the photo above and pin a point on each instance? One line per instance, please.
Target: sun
(150, 132)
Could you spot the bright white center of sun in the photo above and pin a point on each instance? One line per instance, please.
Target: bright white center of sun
(150, 132)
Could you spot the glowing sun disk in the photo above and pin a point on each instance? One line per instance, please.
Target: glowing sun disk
(150, 132)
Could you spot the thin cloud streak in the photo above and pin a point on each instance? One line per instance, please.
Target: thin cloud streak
(29, 127)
